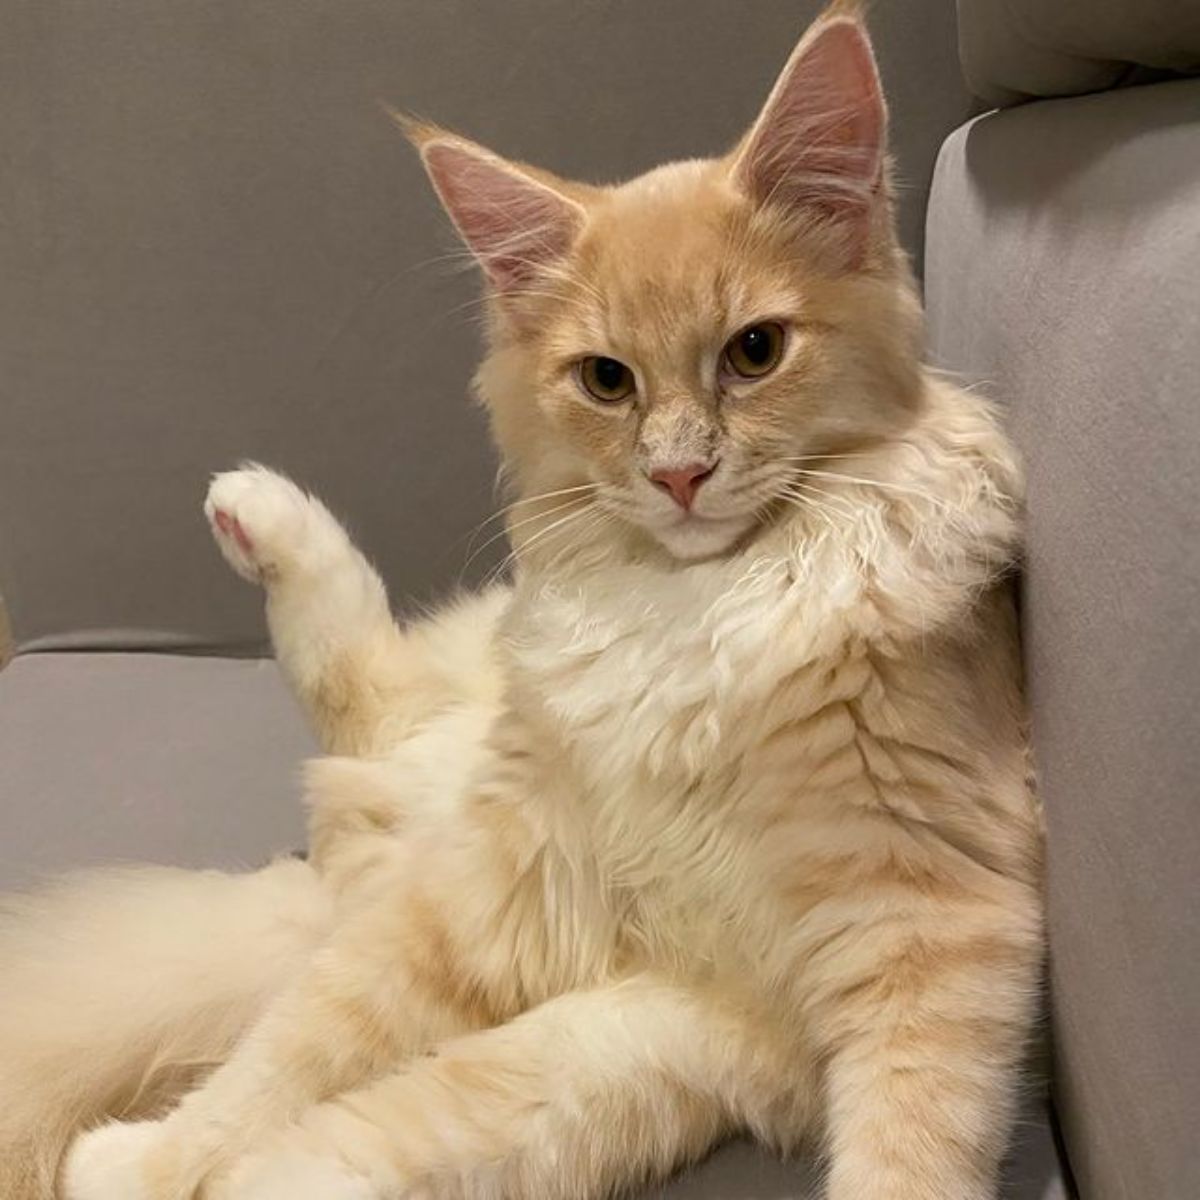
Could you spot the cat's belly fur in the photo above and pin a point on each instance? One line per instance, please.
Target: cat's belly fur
(727, 807)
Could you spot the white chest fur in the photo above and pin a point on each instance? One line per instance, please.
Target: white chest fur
(651, 670)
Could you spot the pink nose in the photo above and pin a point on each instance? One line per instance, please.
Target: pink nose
(682, 482)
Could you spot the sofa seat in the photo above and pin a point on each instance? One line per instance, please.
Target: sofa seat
(111, 757)
(118, 757)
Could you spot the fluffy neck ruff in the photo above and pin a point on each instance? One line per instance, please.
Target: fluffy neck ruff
(892, 541)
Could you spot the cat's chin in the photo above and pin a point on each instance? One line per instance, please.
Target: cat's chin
(695, 538)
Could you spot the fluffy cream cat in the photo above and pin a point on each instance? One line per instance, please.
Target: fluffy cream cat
(716, 819)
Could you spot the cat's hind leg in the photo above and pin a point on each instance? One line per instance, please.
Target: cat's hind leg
(121, 989)
(377, 991)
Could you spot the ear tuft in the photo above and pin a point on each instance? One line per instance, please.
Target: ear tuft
(411, 126)
(855, 10)
(820, 139)
(418, 130)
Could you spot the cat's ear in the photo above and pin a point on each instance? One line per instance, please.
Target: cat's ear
(515, 221)
(820, 140)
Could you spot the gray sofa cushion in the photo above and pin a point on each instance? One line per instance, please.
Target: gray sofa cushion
(1014, 49)
(1063, 259)
(215, 246)
(740, 1171)
(146, 757)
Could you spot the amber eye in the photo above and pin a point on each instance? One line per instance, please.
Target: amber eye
(606, 379)
(756, 350)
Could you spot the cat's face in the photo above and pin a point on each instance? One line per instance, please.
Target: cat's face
(677, 347)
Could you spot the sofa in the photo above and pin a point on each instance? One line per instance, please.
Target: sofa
(216, 247)
(1062, 274)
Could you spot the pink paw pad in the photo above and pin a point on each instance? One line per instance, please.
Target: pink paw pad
(232, 527)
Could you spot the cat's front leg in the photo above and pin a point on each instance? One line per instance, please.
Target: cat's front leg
(585, 1095)
(293, 1166)
(925, 1044)
(327, 608)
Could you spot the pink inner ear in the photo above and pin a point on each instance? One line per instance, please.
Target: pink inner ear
(513, 223)
(819, 139)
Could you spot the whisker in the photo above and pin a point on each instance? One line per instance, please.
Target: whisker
(517, 552)
(807, 491)
(598, 521)
(508, 529)
(507, 508)
(820, 457)
(807, 505)
(878, 483)
(542, 534)
(795, 483)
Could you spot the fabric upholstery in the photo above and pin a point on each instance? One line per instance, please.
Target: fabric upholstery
(1013, 49)
(1063, 259)
(740, 1171)
(146, 757)
(216, 246)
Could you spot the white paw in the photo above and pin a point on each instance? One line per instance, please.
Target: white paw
(109, 1163)
(291, 1173)
(264, 524)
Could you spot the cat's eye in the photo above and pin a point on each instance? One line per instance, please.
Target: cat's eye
(755, 351)
(606, 379)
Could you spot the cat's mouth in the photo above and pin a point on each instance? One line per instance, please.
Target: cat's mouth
(692, 535)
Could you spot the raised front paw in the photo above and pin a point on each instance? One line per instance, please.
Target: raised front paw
(265, 525)
(114, 1162)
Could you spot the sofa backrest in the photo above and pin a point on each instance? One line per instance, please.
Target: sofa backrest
(1015, 49)
(215, 246)
(1061, 276)
(1063, 254)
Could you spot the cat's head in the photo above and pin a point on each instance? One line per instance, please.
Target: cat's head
(677, 346)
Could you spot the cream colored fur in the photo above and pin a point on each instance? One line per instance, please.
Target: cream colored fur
(119, 988)
(710, 821)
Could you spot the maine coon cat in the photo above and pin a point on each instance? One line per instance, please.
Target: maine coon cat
(716, 819)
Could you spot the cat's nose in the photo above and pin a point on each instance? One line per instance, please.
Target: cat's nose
(682, 482)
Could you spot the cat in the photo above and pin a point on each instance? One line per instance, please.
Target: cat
(716, 819)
